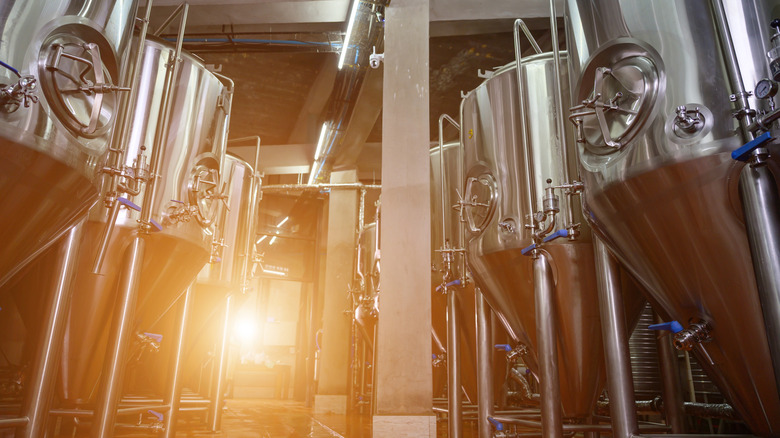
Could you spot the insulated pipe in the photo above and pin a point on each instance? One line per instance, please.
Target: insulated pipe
(761, 208)
(121, 330)
(620, 382)
(672, 394)
(215, 410)
(484, 367)
(162, 129)
(173, 393)
(43, 373)
(546, 340)
(454, 391)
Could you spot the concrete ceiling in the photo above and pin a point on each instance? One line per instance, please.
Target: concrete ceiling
(282, 88)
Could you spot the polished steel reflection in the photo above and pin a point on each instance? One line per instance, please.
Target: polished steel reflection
(47, 176)
(495, 207)
(547, 346)
(669, 206)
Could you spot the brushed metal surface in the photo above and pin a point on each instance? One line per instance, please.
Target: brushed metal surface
(494, 167)
(669, 209)
(175, 255)
(48, 170)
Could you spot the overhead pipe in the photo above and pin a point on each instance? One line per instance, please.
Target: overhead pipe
(366, 34)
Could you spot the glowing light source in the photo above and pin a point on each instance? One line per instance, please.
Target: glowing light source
(348, 35)
(283, 222)
(273, 239)
(260, 239)
(245, 329)
(274, 272)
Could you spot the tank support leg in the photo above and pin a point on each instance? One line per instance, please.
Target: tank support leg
(114, 368)
(454, 390)
(173, 392)
(484, 367)
(44, 371)
(547, 341)
(620, 382)
(761, 206)
(672, 393)
(218, 395)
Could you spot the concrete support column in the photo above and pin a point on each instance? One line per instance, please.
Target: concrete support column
(339, 262)
(403, 373)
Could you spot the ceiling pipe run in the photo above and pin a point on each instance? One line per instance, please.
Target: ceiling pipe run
(365, 34)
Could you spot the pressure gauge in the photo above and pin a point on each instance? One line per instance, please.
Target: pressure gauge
(766, 89)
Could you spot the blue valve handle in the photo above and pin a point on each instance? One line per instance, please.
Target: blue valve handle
(159, 415)
(154, 336)
(525, 251)
(130, 204)
(497, 424)
(557, 234)
(450, 284)
(505, 347)
(743, 153)
(672, 326)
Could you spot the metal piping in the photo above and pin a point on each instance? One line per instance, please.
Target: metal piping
(560, 115)
(484, 367)
(613, 328)
(645, 427)
(44, 370)
(318, 187)
(366, 34)
(173, 393)
(528, 167)
(546, 339)
(121, 329)
(667, 358)
(454, 391)
(732, 68)
(442, 118)
(215, 410)
(162, 131)
(760, 203)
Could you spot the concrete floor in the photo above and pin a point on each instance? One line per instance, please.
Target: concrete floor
(265, 418)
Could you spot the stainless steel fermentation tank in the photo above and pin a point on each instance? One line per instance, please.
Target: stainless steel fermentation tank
(651, 85)
(496, 208)
(448, 262)
(58, 102)
(187, 199)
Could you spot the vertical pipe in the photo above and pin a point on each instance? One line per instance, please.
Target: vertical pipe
(113, 370)
(217, 397)
(546, 340)
(761, 207)
(173, 393)
(528, 174)
(559, 112)
(620, 382)
(43, 372)
(162, 130)
(672, 394)
(484, 367)
(454, 390)
(732, 67)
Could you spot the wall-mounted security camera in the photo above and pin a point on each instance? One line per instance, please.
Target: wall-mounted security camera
(375, 58)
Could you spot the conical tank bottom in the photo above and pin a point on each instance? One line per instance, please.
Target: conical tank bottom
(679, 229)
(506, 277)
(171, 263)
(43, 192)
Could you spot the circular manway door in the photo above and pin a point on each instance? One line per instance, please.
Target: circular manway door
(479, 201)
(78, 85)
(618, 89)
